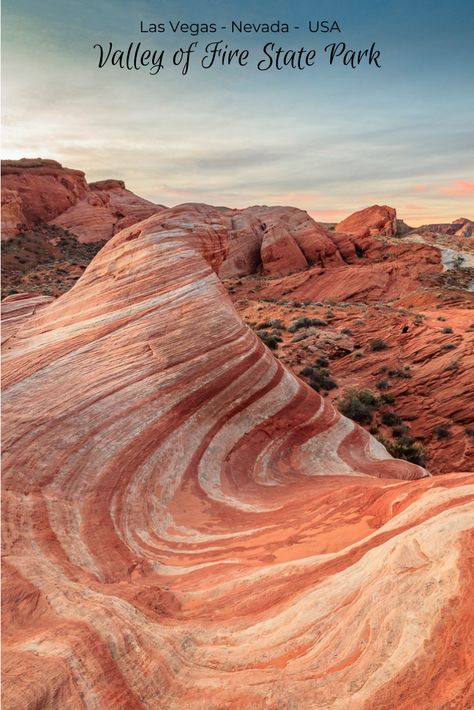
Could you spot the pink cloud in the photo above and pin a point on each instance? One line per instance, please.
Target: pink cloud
(459, 188)
(421, 186)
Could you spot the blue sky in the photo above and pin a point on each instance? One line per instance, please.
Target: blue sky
(330, 140)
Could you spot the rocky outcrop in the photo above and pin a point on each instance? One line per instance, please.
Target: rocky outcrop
(462, 227)
(372, 278)
(107, 208)
(37, 191)
(256, 231)
(187, 524)
(280, 254)
(371, 221)
(12, 213)
(44, 188)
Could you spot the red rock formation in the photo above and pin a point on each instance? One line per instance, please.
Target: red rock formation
(463, 227)
(45, 188)
(107, 208)
(298, 235)
(371, 278)
(12, 213)
(35, 191)
(370, 221)
(188, 525)
(280, 253)
(427, 366)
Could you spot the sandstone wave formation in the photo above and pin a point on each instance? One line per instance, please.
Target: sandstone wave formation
(186, 524)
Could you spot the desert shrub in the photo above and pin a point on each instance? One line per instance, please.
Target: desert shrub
(442, 432)
(441, 318)
(449, 346)
(277, 323)
(356, 410)
(322, 362)
(347, 331)
(305, 322)
(358, 354)
(358, 405)
(271, 340)
(319, 378)
(469, 430)
(447, 329)
(391, 418)
(408, 449)
(378, 344)
(382, 384)
(402, 374)
(367, 397)
(264, 324)
(319, 381)
(400, 430)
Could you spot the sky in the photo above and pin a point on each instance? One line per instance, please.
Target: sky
(327, 139)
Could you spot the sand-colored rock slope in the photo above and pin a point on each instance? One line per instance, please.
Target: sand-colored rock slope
(188, 525)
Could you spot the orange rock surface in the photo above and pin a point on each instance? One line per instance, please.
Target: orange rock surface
(44, 188)
(35, 191)
(277, 241)
(107, 208)
(12, 213)
(186, 524)
(370, 221)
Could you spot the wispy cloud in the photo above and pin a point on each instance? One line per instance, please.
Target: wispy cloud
(459, 188)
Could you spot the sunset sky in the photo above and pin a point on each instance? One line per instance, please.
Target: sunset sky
(328, 139)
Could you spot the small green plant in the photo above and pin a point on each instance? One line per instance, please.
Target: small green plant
(305, 322)
(382, 384)
(271, 340)
(277, 323)
(404, 374)
(322, 362)
(400, 430)
(319, 377)
(469, 430)
(378, 344)
(347, 331)
(447, 329)
(442, 432)
(358, 405)
(408, 449)
(391, 418)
